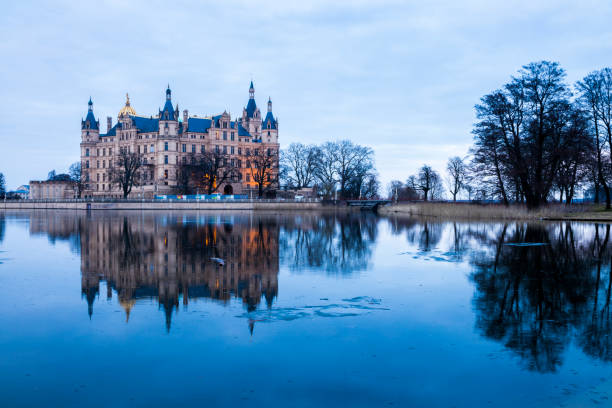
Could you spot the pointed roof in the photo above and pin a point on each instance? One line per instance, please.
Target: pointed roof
(269, 119)
(90, 121)
(168, 113)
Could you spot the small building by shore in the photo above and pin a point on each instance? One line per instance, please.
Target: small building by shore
(52, 189)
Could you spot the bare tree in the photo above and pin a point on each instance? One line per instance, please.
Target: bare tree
(524, 124)
(353, 163)
(263, 166)
(207, 172)
(2, 186)
(326, 172)
(124, 172)
(299, 163)
(590, 94)
(428, 181)
(456, 175)
(76, 175)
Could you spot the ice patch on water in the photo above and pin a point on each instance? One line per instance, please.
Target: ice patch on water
(525, 244)
(352, 307)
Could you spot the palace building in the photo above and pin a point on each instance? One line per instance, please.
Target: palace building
(166, 141)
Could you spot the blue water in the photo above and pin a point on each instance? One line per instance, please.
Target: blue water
(308, 310)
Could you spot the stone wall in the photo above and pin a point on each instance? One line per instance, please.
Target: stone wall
(164, 205)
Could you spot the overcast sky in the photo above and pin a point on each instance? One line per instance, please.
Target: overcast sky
(399, 76)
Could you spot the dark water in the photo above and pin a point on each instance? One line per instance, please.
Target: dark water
(130, 310)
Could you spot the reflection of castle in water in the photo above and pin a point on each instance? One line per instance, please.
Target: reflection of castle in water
(169, 258)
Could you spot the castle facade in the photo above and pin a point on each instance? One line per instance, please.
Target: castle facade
(166, 141)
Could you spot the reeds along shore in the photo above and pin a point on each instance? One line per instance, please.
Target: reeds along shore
(586, 212)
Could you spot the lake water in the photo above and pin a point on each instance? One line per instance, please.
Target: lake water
(301, 310)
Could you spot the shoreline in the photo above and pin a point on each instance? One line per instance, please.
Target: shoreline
(472, 211)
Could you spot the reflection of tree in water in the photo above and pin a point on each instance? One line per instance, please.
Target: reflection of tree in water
(330, 242)
(534, 298)
(2, 227)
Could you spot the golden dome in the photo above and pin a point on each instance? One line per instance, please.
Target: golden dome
(127, 110)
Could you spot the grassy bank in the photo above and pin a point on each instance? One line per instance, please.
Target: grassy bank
(584, 212)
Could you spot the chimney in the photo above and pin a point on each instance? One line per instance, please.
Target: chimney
(109, 123)
(185, 117)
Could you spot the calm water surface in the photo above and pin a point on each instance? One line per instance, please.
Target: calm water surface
(307, 310)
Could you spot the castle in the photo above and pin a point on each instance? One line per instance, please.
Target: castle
(164, 142)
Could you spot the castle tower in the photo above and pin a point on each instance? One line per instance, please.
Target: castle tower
(168, 117)
(251, 116)
(269, 126)
(90, 127)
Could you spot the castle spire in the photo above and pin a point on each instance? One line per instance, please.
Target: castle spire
(251, 91)
(269, 104)
(90, 105)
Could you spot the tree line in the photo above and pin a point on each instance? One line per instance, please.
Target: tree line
(340, 170)
(536, 139)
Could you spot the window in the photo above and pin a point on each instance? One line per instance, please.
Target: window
(232, 136)
(269, 152)
(202, 149)
(104, 152)
(217, 149)
(138, 149)
(184, 147)
(224, 134)
(240, 150)
(193, 149)
(97, 152)
(110, 152)
(166, 159)
(166, 147)
(87, 164)
(98, 177)
(224, 149)
(110, 163)
(248, 177)
(87, 152)
(248, 151)
(268, 133)
(225, 127)
(239, 163)
(165, 174)
(152, 149)
(98, 164)
(184, 159)
(232, 150)
(103, 164)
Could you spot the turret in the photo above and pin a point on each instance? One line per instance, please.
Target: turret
(90, 127)
(250, 115)
(269, 126)
(168, 117)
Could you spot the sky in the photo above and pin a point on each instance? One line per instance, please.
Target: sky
(399, 76)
